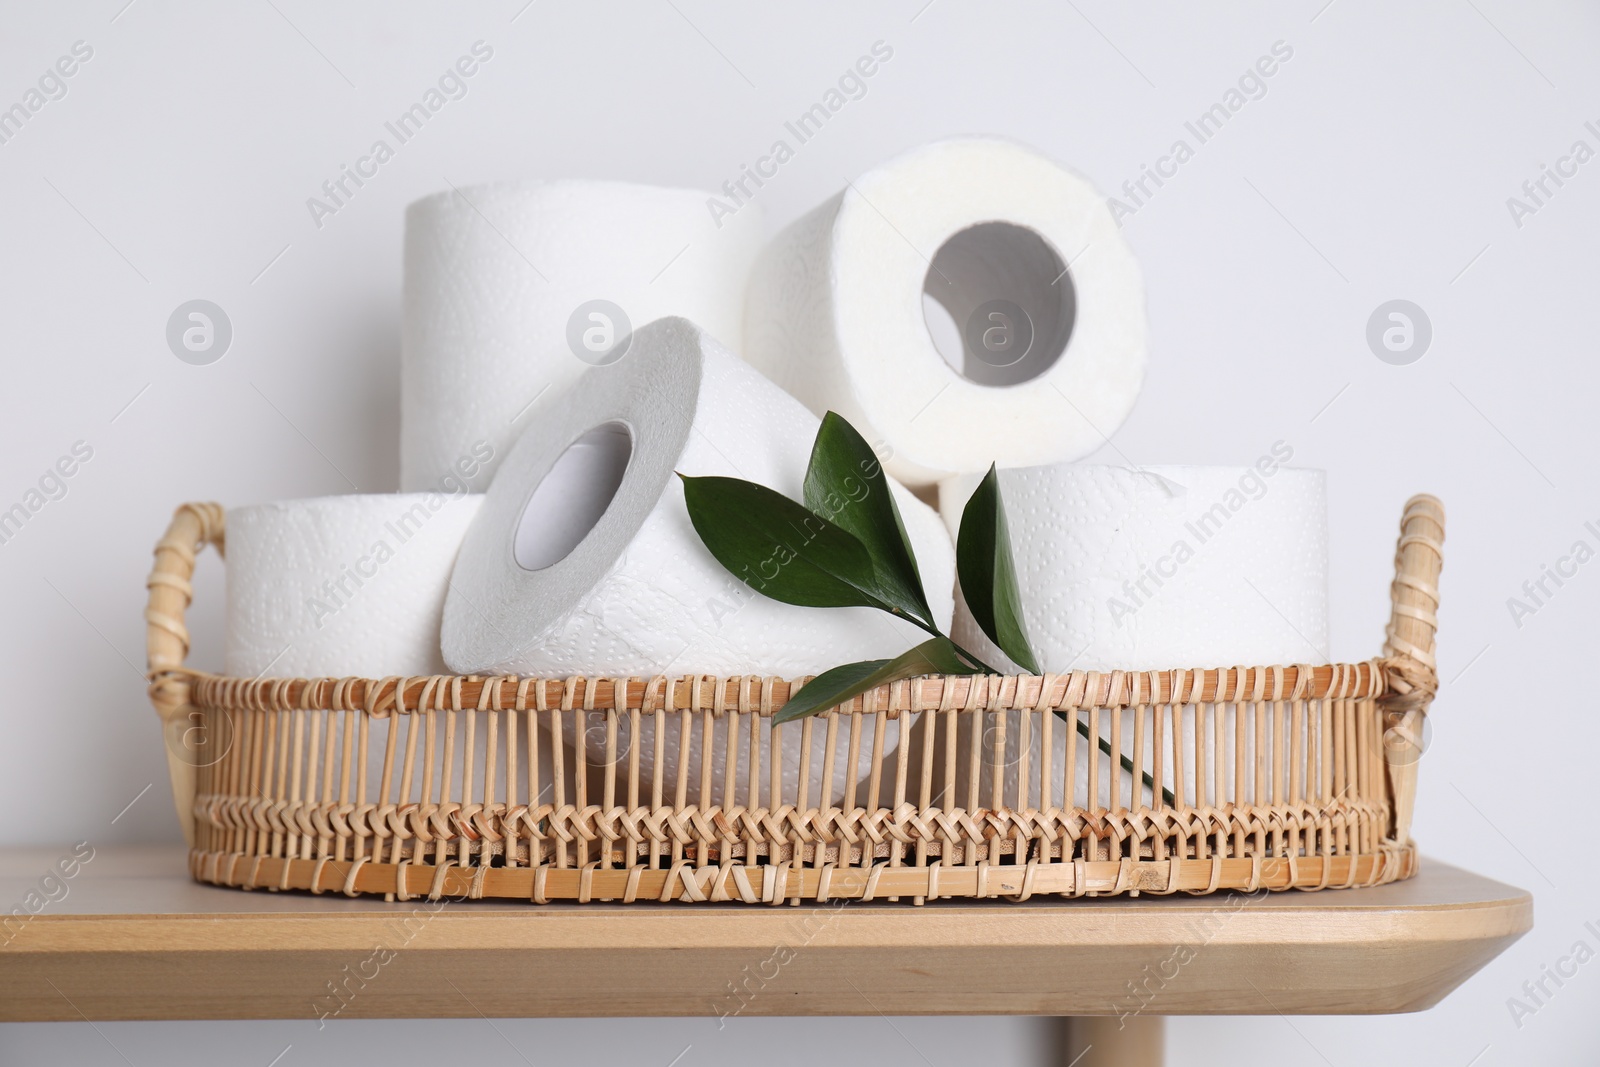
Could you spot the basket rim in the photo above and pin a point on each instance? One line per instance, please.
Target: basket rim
(764, 696)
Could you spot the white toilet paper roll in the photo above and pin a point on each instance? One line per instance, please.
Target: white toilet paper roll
(637, 593)
(341, 585)
(1010, 258)
(512, 291)
(1160, 567)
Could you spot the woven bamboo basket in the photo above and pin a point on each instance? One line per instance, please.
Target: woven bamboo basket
(1278, 777)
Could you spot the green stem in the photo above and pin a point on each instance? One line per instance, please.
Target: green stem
(983, 668)
(1083, 728)
(915, 620)
(1127, 764)
(925, 625)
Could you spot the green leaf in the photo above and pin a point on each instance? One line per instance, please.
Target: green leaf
(845, 484)
(777, 547)
(1127, 764)
(834, 687)
(988, 575)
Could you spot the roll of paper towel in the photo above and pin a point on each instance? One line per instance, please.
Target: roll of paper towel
(512, 291)
(1163, 567)
(978, 248)
(341, 585)
(584, 561)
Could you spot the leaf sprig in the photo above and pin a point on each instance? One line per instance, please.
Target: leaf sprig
(846, 546)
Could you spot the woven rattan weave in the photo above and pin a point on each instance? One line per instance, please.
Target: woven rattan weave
(1277, 777)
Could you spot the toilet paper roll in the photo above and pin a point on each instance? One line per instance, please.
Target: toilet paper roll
(1012, 259)
(627, 588)
(631, 590)
(1153, 568)
(1163, 567)
(512, 291)
(341, 585)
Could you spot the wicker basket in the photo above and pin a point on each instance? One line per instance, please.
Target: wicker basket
(431, 787)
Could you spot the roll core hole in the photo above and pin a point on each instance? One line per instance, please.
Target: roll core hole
(999, 303)
(570, 499)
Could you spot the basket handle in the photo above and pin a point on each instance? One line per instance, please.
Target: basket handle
(1408, 650)
(193, 527)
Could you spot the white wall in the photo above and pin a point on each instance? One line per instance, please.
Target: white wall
(1377, 165)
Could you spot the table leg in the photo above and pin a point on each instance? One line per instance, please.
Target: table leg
(1109, 1041)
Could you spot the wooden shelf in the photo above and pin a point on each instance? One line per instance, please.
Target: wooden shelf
(134, 938)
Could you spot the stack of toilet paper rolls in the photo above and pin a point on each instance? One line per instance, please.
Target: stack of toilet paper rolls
(496, 277)
(569, 346)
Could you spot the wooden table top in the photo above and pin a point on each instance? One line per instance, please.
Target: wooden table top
(129, 936)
